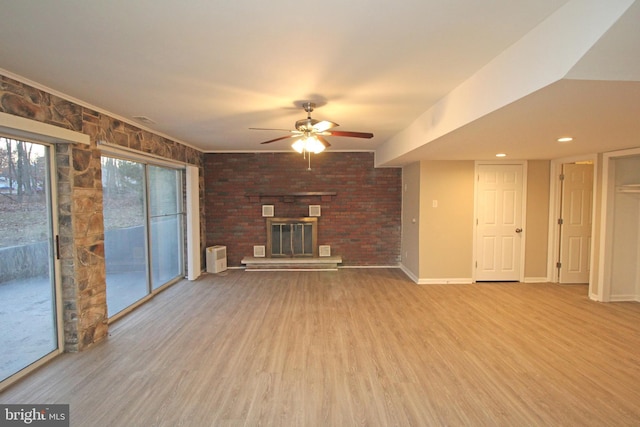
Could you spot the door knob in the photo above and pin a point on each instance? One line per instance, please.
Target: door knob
(518, 230)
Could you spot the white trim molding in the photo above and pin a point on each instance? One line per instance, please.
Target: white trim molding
(536, 280)
(194, 254)
(21, 128)
(447, 281)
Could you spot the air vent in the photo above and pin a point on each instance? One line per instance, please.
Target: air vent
(324, 250)
(267, 210)
(144, 120)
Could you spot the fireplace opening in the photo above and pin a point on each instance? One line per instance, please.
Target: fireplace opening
(292, 237)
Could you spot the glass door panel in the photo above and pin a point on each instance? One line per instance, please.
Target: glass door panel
(125, 241)
(165, 215)
(143, 216)
(28, 322)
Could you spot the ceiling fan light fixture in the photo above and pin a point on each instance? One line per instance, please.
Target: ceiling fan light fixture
(309, 144)
(314, 145)
(298, 146)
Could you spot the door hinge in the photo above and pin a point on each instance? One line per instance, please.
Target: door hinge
(561, 177)
(560, 221)
(558, 265)
(57, 247)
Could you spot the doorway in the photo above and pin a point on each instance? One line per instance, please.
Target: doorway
(499, 225)
(618, 276)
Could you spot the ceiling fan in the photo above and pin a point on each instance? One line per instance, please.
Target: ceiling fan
(310, 133)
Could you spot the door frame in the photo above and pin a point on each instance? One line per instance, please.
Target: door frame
(42, 133)
(605, 249)
(555, 205)
(478, 163)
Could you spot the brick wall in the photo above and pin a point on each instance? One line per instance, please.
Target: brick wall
(361, 222)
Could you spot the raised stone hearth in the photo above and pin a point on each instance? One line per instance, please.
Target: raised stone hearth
(290, 264)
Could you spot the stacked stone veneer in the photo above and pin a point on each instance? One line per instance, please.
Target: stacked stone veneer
(361, 222)
(79, 192)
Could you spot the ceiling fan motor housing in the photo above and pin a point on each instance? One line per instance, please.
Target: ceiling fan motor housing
(306, 124)
(309, 106)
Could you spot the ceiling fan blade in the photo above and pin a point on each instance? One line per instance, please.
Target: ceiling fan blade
(348, 133)
(279, 139)
(282, 130)
(324, 125)
(323, 141)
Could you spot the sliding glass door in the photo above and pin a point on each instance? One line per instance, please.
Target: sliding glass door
(28, 314)
(143, 216)
(166, 218)
(125, 240)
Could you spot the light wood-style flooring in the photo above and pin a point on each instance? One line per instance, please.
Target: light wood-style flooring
(350, 348)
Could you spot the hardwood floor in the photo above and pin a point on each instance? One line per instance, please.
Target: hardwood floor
(354, 347)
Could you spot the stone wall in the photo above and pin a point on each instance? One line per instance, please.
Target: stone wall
(80, 198)
(361, 222)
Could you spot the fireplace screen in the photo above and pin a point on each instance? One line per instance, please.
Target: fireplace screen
(291, 237)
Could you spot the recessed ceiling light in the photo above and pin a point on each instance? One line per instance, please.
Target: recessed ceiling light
(501, 155)
(565, 139)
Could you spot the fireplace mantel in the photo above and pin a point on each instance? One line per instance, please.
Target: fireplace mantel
(325, 196)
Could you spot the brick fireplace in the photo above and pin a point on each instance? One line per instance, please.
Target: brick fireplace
(361, 204)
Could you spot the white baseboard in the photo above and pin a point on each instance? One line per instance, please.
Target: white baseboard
(447, 281)
(536, 280)
(624, 298)
(369, 266)
(443, 281)
(409, 273)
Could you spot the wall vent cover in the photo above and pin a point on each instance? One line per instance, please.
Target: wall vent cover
(267, 210)
(258, 251)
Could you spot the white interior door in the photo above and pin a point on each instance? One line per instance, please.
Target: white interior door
(499, 222)
(575, 230)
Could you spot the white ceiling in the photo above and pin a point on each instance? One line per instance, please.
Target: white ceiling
(207, 71)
